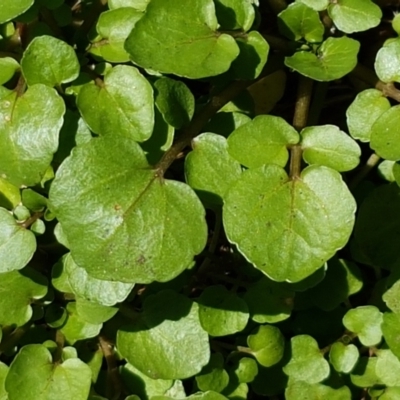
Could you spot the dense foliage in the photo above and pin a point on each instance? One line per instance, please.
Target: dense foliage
(199, 199)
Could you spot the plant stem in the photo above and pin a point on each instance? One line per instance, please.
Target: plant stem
(60, 340)
(21, 86)
(228, 346)
(371, 163)
(27, 223)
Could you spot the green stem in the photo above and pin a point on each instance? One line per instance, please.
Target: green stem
(60, 340)
(27, 223)
(233, 347)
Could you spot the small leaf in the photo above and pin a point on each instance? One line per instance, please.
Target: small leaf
(303, 390)
(168, 342)
(114, 108)
(391, 331)
(388, 368)
(335, 58)
(213, 376)
(328, 145)
(33, 376)
(209, 168)
(8, 67)
(137, 228)
(188, 46)
(264, 140)
(317, 5)
(299, 21)
(362, 113)
(49, 61)
(343, 357)
(235, 14)
(94, 313)
(364, 375)
(246, 370)
(18, 289)
(307, 363)
(355, 15)
(12, 9)
(113, 27)
(29, 128)
(175, 101)
(267, 344)
(387, 62)
(221, 312)
(385, 135)
(365, 321)
(17, 244)
(306, 219)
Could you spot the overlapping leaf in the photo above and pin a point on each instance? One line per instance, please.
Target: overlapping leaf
(121, 220)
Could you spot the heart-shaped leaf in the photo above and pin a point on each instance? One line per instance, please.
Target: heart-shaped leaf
(343, 358)
(29, 128)
(138, 227)
(33, 376)
(306, 219)
(188, 46)
(121, 105)
(49, 61)
(168, 342)
(335, 58)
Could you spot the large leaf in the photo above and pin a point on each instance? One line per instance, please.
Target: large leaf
(287, 227)
(335, 58)
(168, 342)
(189, 45)
(29, 128)
(49, 61)
(122, 222)
(33, 376)
(354, 15)
(13, 8)
(121, 105)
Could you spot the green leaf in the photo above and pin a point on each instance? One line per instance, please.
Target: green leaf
(385, 170)
(137, 4)
(388, 368)
(387, 62)
(221, 312)
(385, 134)
(33, 376)
(32, 200)
(17, 244)
(8, 67)
(303, 390)
(377, 236)
(328, 145)
(300, 21)
(246, 370)
(306, 219)
(343, 357)
(364, 375)
(49, 61)
(391, 331)
(355, 15)
(365, 321)
(234, 14)
(317, 5)
(267, 344)
(168, 342)
(138, 228)
(209, 168)
(10, 195)
(55, 316)
(264, 140)
(213, 376)
(113, 27)
(269, 301)
(3, 374)
(104, 292)
(94, 313)
(223, 123)
(12, 9)
(114, 108)
(391, 393)
(77, 328)
(335, 58)
(175, 102)
(18, 289)
(362, 113)
(188, 46)
(392, 297)
(145, 387)
(307, 362)
(29, 128)
(253, 56)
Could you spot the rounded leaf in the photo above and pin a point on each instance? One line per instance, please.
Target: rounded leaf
(122, 222)
(49, 61)
(11, 9)
(328, 145)
(115, 108)
(188, 46)
(213, 376)
(362, 113)
(388, 368)
(343, 357)
(8, 67)
(264, 140)
(387, 62)
(307, 219)
(335, 58)
(168, 342)
(317, 5)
